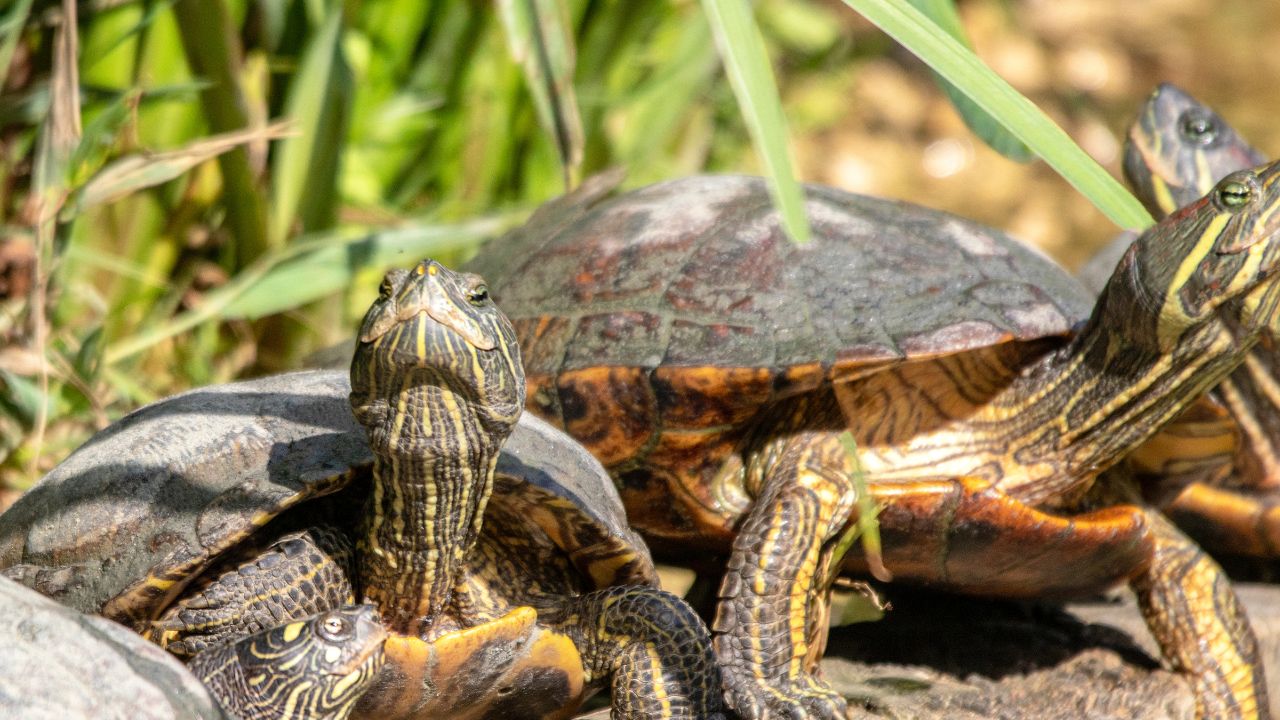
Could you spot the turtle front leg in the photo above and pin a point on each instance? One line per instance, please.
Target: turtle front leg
(651, 645)
(768, 627)
(298, 575)
(1201, 627)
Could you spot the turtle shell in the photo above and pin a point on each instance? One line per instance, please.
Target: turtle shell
(143, 507)
(689, 302)
(59, 663)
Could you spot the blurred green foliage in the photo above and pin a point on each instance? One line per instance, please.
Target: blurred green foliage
(162, 230)
(411, 131)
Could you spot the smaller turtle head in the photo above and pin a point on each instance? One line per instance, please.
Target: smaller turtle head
(324, 662)
(1217, 258)
(1178, 148)
(435, 330)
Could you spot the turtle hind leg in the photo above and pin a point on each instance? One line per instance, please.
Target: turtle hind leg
(653, 647)
(767, 632)
(1201, 627)
(300, 574)
(1241, 522)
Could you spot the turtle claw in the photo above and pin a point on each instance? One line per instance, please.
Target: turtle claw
(803, 698)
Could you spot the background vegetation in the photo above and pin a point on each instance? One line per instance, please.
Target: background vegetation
(159, 230)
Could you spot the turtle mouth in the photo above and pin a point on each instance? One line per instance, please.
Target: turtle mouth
(430, 291)
(376, 637)
(358, 662)
(420, 339)
(449, 315)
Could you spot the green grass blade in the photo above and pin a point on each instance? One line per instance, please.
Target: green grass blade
(305, 165)
(213, 52)
(136, 172)
(153, 11)
(747, 64)
(979, 121)
(866, 527)
(11, 26)
(541, 40)
(1020, 116)
(100, 134)
(310, 268)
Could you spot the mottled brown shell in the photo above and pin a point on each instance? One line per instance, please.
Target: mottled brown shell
(684, 306)
(169, 488)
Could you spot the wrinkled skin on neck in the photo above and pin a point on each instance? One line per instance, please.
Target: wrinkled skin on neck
(437, 382)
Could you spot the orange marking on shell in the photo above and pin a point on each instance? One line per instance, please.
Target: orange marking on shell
(706, 397)
(613, 430)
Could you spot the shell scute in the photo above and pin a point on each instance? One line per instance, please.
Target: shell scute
(615, 430)
(543, 340)
(600, 338)
(706, 397)
(705, 260)
(719, 344)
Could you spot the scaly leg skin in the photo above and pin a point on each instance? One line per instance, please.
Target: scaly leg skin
(1200, 626)
(768, 599)
(300, 574)
(654, 648)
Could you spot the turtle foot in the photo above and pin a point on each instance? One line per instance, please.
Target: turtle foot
(800, 698)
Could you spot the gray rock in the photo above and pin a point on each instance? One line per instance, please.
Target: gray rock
(58, 664)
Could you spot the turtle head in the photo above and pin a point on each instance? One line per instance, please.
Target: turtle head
(322, 663)
(435, 330)
(1217, 258)
(1178, 148)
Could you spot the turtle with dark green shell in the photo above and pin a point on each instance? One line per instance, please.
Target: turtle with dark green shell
(61, 665)
(505, 576)
(1217, 471)
(712, 366)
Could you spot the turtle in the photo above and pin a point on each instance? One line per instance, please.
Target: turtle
(713, 367)
(62, 664)
(1224, 484)
(315, 668)
(509, 582)
(1175, 150)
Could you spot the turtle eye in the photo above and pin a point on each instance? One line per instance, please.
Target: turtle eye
(1198, 127)
(478, 295)
(392, 280)
(335, 628)
(1235, 192)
